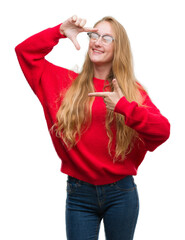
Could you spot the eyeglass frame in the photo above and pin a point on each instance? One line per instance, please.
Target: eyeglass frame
(99, 35)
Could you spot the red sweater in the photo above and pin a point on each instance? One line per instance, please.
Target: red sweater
(89, 160)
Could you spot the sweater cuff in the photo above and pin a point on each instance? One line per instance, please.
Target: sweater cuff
(57, 32)
(121, 106)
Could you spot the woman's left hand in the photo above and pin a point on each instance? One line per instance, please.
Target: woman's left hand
(110, 98)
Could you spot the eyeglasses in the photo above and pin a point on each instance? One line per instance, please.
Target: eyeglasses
(106, 39)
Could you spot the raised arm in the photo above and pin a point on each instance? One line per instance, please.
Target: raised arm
(31, 52)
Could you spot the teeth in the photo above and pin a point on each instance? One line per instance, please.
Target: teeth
(97, 51)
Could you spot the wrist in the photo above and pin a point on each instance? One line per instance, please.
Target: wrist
(62, 30)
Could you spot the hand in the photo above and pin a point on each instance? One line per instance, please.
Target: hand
(110, 98)
(72, 27)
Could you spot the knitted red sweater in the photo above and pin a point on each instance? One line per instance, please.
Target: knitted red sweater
(89, 160)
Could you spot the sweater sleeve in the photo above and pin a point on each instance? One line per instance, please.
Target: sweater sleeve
(31, 54)
(147, 120)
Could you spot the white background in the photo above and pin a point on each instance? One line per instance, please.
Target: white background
(32, 188)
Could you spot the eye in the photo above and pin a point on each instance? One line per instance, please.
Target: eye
(107, 39)
(93, 35)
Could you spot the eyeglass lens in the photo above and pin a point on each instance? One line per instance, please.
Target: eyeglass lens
(96, 36)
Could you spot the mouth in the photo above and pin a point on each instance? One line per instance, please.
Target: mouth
(97, 51)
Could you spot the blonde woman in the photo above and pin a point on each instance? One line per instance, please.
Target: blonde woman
(101, 121)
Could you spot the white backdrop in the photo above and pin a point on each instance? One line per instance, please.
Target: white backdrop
(32, 188)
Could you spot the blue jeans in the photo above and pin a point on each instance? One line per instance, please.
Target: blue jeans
(86, 205)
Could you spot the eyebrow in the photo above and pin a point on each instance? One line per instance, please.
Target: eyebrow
(109, 34)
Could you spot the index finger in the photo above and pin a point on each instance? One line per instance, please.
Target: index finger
(98, 94)
(89, 29)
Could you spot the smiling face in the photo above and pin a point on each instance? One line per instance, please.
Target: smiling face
(100, 53)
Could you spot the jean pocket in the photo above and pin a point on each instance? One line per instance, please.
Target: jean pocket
(72, 187)
(126, 184)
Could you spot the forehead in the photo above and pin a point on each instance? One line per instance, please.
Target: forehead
(105, 28)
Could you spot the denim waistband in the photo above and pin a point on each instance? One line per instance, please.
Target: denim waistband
(75, 180)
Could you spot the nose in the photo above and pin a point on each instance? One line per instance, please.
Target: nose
(98, 41)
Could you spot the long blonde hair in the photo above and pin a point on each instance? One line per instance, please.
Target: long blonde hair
(74, 114)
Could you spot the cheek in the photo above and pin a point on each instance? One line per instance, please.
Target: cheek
(111, 52)
(89, 48)
(90, 45)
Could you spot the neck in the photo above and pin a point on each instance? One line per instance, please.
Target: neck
(101, 71)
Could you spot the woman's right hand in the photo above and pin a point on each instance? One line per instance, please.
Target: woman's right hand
(72, 27)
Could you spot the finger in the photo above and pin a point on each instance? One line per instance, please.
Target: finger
(75, 42)
(89, 29)
(78, 21)
(74, 18)
(83, 22)
(98, 94)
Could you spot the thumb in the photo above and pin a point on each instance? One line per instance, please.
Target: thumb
(117, 89)
(115, 85)
(75, 42)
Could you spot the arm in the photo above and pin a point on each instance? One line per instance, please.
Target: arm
(147, 120)
(31, 53)
(152, 126)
